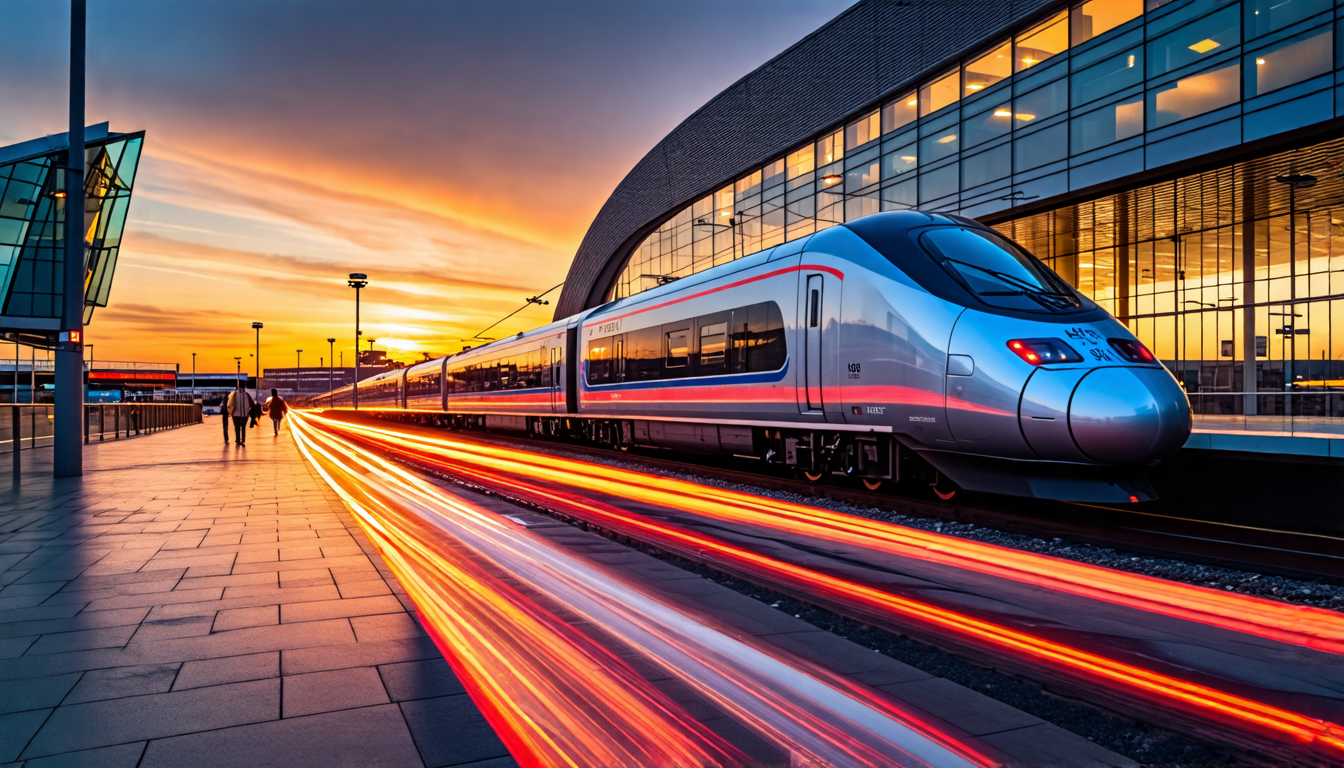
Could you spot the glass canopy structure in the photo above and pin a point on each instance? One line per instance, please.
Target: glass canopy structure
(32, 224)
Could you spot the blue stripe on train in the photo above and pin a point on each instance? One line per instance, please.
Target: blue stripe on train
(766, 377)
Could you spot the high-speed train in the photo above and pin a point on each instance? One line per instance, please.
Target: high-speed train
(904, 346)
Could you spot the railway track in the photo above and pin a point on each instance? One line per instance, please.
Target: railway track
(1265, 549)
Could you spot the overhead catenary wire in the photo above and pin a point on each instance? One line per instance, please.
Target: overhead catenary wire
(533, 300)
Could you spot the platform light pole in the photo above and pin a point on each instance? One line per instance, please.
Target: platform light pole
(357, 280)
(237, 370)
(193, 376)
(298, 358)
(68, 433)
(331, 361)
(257, 390)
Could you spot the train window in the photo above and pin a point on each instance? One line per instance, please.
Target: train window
(713, 344)
(1000, 273)
(758, 338)
(643, 354)
(678, 348)
(599, 361)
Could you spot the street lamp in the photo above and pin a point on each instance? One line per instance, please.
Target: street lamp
(371, 347)
(257, 328)
(237, 369)
(193, 376)
(331, 360)
(298, 358)
(357, 280)
(732, 224)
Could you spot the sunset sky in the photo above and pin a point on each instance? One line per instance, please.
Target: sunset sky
(454, 151)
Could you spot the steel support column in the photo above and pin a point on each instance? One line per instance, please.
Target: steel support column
(68, 451)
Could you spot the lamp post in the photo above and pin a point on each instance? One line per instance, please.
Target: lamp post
(357, 280)
(257, 392)
(331, 360)
(237, 369)
(298, 358)
(732, 224)
(371, 347)
(193, 376)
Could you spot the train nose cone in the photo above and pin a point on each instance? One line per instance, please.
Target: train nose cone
(1129, 415)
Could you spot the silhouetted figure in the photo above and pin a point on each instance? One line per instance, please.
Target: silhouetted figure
(238, 406)
(277, 408)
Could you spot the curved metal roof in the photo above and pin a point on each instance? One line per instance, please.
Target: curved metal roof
(863, 55)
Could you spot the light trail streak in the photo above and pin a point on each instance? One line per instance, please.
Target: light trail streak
(1305, 626)
(1230, 715)
(558, 698)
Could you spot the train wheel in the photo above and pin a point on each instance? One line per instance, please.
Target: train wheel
(812, 477)
(872, 485)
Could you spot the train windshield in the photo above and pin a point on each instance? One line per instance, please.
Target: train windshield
(998, 272)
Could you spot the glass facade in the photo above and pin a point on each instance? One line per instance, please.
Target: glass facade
(1102, 90)
(32, 226)
(1243, 263)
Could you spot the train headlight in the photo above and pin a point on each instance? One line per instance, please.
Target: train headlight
(1044, 351)
(1132, 350)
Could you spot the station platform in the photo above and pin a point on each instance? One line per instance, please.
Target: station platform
(192, 603)
(1268, 435)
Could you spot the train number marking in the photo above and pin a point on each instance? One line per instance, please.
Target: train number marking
(1085, 336)
(876, 410)
(924, 419)
(1102, 355)
(854, 370)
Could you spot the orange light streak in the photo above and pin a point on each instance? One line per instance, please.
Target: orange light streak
(1233, 712)
(522, 661)
(1305, 626)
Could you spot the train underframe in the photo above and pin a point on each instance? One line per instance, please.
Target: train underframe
(873, 458)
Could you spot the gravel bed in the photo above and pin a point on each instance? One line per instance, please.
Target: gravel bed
(1280, 588)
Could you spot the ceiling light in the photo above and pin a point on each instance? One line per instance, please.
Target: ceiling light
(1024, 118)
(1131, 61)
(974, 87)
(1002, 113)
(949, 137)
(1028, 61)
(1260, 61)
(725, 213)
(909, 158)
(830, 178)
(912, 102)
(1204, 46)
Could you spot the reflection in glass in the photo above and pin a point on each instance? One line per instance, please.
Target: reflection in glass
(1194, 95)
(1041, 103)
(939, 183)
(830, 148)
(901, 161)
(990, 124)
(987, 166)
(942, 144)
(1097, 17)
(1264, 16)
(1039, 44)
(1289, 62)
(900, 112)
(1040, 148)
(862, 131)
(1107, 77)
(990, 68)
(942, 92)
(1216, 32)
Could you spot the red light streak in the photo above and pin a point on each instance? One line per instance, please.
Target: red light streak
(559, 698)
(1298, 625)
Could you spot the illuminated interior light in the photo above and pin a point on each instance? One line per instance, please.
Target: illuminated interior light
(1002, 113)
(974, 87)
(1205, 45)
(1025, 117)
(1131, 61)
(830, 179)
(725, 213)
(909, 158)
(912, 102)
(948, 138)
(1260, 61)
(1028, 61)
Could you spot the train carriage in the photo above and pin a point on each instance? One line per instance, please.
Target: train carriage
(899, 345)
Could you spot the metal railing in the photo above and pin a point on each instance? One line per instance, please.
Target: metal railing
(23, 427)
(1286, 413)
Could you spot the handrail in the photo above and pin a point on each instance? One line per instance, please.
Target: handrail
(24, 426)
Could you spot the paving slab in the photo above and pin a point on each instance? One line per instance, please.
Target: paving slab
(149, 609)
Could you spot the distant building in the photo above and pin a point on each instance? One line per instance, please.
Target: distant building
(311, 380)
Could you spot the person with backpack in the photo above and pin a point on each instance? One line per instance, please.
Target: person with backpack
(239, 407)
(277, 408)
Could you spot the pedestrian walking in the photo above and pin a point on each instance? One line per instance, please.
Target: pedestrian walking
(277, 408)
(238, 406)
(224, 417)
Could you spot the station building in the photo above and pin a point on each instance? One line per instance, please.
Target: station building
(1179, 161)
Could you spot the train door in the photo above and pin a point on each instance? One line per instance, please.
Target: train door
(557, 394)
(811, 324)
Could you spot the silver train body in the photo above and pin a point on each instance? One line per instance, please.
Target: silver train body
(873, 349)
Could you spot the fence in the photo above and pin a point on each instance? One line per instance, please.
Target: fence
(1282, 412)
(23, 427)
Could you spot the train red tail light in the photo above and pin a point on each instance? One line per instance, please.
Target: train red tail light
(1044, 351)
(1132, 350)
